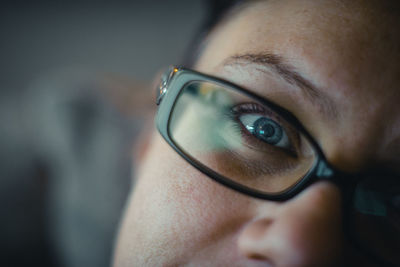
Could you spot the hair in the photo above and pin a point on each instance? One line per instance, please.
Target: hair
(216, 11)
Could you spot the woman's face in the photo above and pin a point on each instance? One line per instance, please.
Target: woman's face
(349, 52)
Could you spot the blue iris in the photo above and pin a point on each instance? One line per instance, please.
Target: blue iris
(268, 130)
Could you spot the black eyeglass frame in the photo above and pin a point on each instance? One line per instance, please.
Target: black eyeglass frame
(178, 77)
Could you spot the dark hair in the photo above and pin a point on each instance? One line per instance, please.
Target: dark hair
(215, 12)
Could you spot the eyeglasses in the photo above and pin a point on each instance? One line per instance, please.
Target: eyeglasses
(260, 149)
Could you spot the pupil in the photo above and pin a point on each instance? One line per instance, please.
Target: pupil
(268, 131)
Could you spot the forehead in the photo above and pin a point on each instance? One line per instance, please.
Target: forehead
(329, 34)
(349, 49)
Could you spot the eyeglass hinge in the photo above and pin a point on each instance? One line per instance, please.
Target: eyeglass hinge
(162, 88)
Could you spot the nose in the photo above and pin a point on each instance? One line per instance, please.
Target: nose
(303, 231)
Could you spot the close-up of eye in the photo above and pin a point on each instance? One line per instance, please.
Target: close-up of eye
(263, 124)
(265, 129)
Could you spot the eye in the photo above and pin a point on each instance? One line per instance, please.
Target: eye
(265, 129)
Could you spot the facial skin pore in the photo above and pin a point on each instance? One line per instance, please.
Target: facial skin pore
(349, 51)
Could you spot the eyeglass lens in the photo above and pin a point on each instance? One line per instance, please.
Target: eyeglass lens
(239, 138)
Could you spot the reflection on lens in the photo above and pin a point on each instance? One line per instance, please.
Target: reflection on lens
(239, 138)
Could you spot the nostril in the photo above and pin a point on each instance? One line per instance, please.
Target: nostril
(255, 256)
(260, 257)
(251, 240)
(261, 260)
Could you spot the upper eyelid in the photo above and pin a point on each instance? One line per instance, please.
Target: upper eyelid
(260, 93)
(263, 111)
(277, 64)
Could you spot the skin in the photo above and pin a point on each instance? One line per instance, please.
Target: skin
(350, 51)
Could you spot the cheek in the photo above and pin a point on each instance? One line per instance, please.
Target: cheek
(177, 210)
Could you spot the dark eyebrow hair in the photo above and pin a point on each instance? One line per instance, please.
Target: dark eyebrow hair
(289, 74)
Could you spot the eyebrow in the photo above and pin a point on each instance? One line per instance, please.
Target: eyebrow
(277, 65)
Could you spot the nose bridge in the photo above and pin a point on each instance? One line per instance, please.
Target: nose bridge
(353, 144)
(320, 203)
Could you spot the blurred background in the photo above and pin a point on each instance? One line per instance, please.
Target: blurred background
(75, 91)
